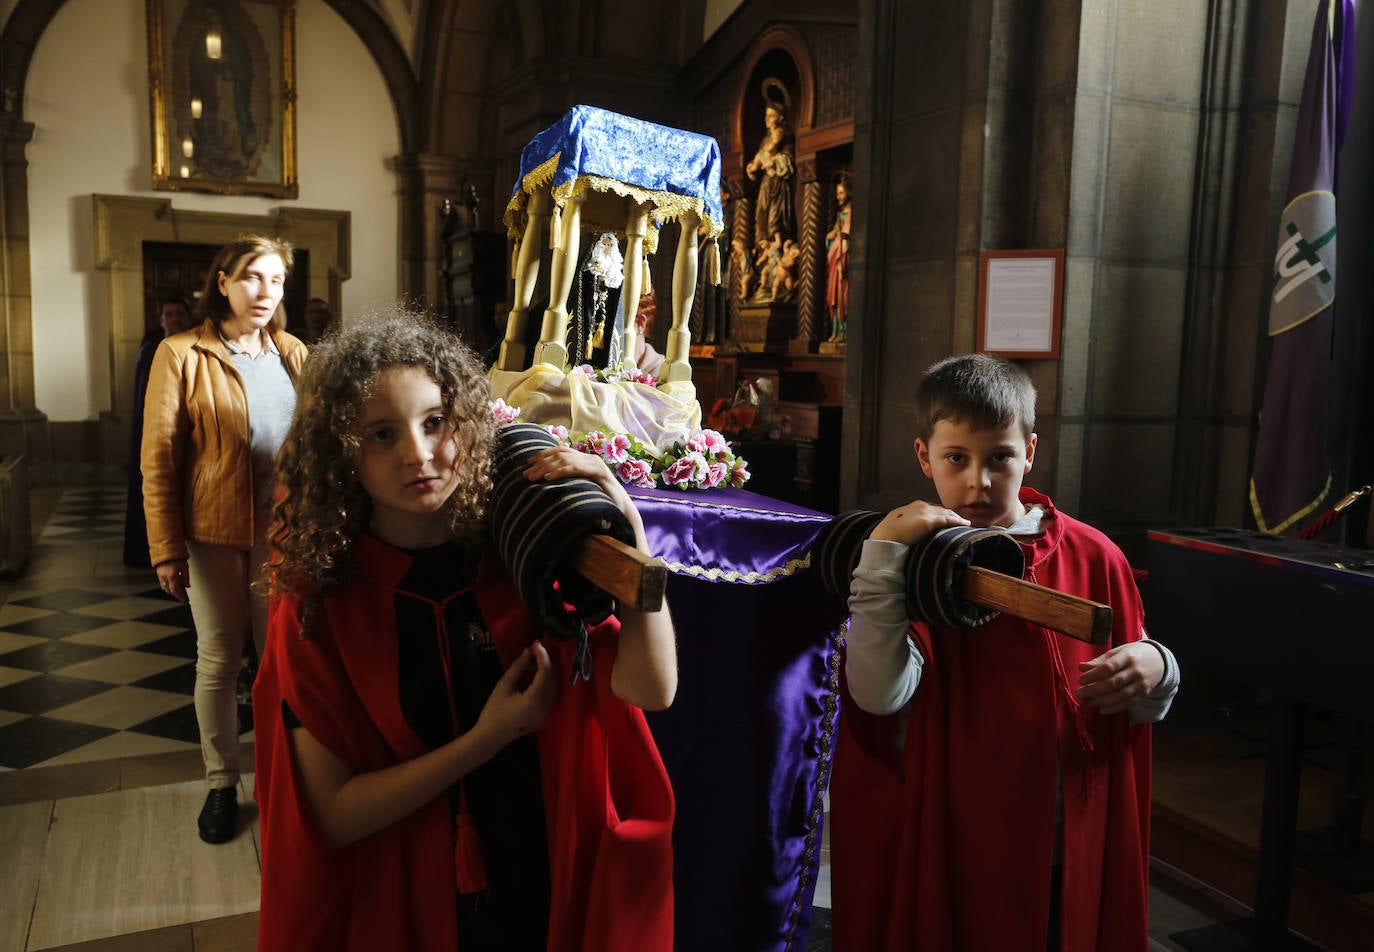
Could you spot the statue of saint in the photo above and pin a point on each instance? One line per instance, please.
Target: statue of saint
(773, 167)
(837, 261)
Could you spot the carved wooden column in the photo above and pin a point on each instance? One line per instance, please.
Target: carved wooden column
(811, 315)
(740, 254)
(676, 365)
(696, 322)
(21, 422)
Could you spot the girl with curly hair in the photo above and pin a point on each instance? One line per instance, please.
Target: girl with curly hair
(423, 782)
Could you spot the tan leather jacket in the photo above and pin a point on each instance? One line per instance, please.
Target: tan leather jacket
(196, 458)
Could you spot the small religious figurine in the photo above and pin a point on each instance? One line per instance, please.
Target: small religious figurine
(739, 264)
(593, 336)
(837, 261)
(773, 167)
(784, 271)
(766, 256)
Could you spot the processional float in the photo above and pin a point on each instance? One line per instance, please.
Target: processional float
(757, 587)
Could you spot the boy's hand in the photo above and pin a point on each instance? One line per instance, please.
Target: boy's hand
(1126, 673)
(512, 712)
(914, 521)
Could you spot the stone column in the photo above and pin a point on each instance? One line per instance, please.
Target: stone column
(22, 425)
(426, 180)
(811, 316)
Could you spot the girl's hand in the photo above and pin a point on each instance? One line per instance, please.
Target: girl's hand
(645, 669)
(512, 711)
(1111, 681)
(174, 577)
(562, 462)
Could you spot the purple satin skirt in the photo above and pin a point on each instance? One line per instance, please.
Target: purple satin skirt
(748, 741)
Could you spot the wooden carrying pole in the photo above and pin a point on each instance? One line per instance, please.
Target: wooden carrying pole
(1076, 617)
(633, 578)
(639, 581)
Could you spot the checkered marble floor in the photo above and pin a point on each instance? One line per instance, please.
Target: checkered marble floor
(97, 668)
(95, 661)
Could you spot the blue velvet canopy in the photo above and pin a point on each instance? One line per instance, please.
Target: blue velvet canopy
(671, 170)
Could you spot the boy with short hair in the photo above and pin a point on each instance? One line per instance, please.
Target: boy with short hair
(991, 788)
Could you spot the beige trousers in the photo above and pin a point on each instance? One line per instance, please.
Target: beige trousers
(226, 611)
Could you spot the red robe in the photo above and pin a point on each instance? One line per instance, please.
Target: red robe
(607, 799)
(946, 842)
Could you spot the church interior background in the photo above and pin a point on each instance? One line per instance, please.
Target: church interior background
(1148, 139)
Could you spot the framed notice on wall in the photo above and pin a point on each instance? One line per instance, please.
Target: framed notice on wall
(1020, 302)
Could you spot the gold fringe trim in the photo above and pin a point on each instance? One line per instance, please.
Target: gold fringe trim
(748, 578)
(540, 174)
(666, 206)
(515, 208)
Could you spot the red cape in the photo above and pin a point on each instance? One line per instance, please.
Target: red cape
(607, 799)
(946, 842)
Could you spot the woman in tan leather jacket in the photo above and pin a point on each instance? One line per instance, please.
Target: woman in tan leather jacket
(220, 397)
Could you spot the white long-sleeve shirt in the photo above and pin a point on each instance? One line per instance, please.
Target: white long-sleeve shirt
(883, 666)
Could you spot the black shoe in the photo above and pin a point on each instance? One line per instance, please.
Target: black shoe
(219, 817)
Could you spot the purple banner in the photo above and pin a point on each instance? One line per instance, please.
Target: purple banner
(1292, 472)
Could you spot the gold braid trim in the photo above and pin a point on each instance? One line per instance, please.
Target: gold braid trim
(712, 504)
(831, 703)
(748, 578)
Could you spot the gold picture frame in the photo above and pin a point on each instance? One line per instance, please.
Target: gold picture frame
(222, 84)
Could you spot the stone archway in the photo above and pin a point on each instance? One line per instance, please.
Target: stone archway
(23, 426)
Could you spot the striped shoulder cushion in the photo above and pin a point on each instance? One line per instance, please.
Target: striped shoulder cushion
(537, 527)
(934, 567)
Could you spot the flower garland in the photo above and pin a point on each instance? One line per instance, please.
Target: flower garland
(614, 374)
(701, 460)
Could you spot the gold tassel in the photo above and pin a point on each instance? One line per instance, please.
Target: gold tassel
(556, 228)
(646, 279)
(514, 257)
(713, 263)
(599, 338)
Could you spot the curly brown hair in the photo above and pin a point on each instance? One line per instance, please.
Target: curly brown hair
(322, 506)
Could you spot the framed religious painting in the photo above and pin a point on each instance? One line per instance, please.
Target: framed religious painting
(222, 84)
(1020, 302)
